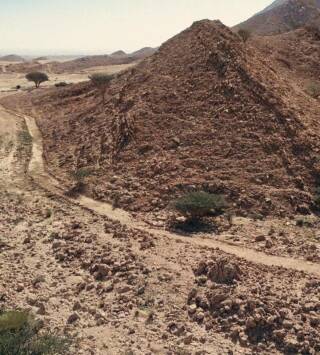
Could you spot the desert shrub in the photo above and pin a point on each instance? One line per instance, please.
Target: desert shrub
(81, 174)
(196, 205)
(101, 81)
(20, 335)
(313, 89)
(25, 137)
(244, 34)
(37, 77)
(78, 185)
(61, 84)
(48, 213)
(305, 221)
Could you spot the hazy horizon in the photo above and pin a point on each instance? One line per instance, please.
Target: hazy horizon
(66, 27)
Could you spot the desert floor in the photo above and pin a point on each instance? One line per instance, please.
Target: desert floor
(118, 285)
(9, 81)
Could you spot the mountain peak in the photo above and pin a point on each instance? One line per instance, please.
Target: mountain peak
(284, 16)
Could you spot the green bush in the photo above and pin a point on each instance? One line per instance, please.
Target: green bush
(60, 84)
(19, 335)
(197, 205)
(101, 79)
(25, 137)
(81, 174)
(313, 89)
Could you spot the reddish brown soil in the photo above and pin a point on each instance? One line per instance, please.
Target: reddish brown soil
(117, 289)
(296, 52)
(205, 112)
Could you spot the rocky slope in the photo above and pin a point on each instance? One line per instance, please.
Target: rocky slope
(296, 53)
(117, 288)
(204, 112)
(284, 17)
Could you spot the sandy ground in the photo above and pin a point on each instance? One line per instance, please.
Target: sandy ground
(9, 81)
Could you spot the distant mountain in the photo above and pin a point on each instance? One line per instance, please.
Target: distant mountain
(119, 54)
(273, 5)
(116, 58)
(12, 58)
(143, 52)
(40, 58)
(284, 16)
(80, 63)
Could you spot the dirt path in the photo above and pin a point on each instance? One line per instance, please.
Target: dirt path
(38, 172)
(46, 242)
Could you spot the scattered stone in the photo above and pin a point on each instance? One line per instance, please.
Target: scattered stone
(72, 318)
(260, 238)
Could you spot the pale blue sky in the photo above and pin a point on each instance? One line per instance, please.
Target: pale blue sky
(79, 26)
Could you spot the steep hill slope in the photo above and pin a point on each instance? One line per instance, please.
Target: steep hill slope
(276, 3)
(283, 17)
(204, 112)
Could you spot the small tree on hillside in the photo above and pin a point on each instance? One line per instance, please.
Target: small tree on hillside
(37, 78)
(197, 205)
(101, 81)
(244, 34)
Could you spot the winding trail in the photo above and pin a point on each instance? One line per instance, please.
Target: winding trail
(38, 173)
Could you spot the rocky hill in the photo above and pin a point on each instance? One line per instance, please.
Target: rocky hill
(276, 3)
(284, 16)
(205, 112)
(12, 58)
(119, 54)
(295, 53)
(143, 52)
(82, 63)
(90, 62)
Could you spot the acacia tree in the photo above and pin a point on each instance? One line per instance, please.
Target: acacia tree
(101, 81)
(37, 78)
(199, 204)
(244, 34)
